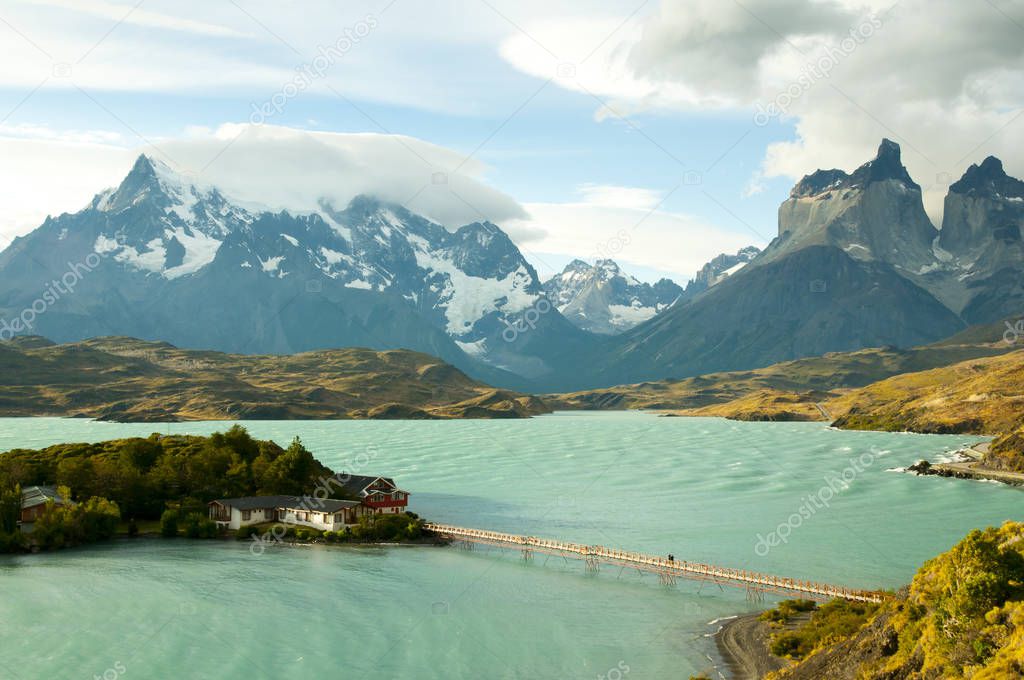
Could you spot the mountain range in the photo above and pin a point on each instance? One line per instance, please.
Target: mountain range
(602, 299)
(856, 263)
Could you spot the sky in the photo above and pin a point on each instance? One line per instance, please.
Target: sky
(658, 133)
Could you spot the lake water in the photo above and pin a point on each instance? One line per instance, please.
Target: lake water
(703, 489)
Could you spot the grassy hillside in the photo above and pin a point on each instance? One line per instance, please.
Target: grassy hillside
(787, 390)
(125, 379)
(980, 396)
(961, 617)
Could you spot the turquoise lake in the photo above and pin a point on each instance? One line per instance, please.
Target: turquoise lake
(703, 489)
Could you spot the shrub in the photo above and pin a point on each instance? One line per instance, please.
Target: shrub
(244, 533)
(198, 525)
(786, 610)
(833, 621)
(169, 524)
(302, 534)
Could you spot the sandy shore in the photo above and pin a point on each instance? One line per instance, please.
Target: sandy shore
(743, 645)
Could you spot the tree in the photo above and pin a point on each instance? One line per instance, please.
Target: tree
(10, 509)
(169, 524)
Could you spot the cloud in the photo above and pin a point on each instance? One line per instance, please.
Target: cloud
(133, 13)
(945, 78)
(626, 231)
(276, 167)
(50, 172)
(619, 197)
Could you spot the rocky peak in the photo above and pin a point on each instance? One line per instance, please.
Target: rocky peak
(819, 182)
(988, 178)
(887, 165)
(140, 182)
(719, 268)
(601, 298)
(983, 220)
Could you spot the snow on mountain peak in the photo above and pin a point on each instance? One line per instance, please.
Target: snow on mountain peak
(602, 299)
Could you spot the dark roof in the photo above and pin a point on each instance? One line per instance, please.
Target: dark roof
(323, 504)
(257, 502)
(310, 503)
(353, 485)
(32, 496)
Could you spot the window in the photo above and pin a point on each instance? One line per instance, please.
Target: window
(246, 514)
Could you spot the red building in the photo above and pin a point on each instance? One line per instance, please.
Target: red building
(34, 501)
(379, 495)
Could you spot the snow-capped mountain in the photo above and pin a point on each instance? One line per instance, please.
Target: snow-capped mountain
(172, 259)
(602, 299)
(720, 268)
(857, 263)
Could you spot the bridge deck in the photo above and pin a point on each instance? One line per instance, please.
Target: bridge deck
(594, 554)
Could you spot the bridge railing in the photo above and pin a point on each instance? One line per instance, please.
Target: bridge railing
(664, 565)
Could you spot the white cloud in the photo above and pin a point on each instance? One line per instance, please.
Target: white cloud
(667, 242)
(41, 177)
(276, 167)
(134, 13)
(619, 197)
(945, 78)
(282, 168)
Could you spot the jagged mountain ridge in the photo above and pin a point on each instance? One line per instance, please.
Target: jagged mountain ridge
(718, 268)
(857, 263)
(601, 298)
(180, 262)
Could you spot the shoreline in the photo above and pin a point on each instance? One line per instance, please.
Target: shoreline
(969, 466)
(742, 644)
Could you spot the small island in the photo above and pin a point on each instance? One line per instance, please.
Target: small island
(224, 485)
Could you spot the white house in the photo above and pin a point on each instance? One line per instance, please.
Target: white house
(325, 514)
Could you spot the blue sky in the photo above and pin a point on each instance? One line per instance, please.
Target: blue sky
(593, 117)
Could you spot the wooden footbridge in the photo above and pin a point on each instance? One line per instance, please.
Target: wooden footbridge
(668, 570)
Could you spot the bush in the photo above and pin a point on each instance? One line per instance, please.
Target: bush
(198, 525)
(302, 534)
(833, 621)
(169, 524)
(404, 527)
(786, 610)
(244, 533)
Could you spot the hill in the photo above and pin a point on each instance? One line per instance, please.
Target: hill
(978, 396)
(790, 390)
(961, 617)
(128, 380)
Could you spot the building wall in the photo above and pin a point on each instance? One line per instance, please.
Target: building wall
(312, 518)
(255, 517)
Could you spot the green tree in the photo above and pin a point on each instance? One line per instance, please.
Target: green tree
(169, 523)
